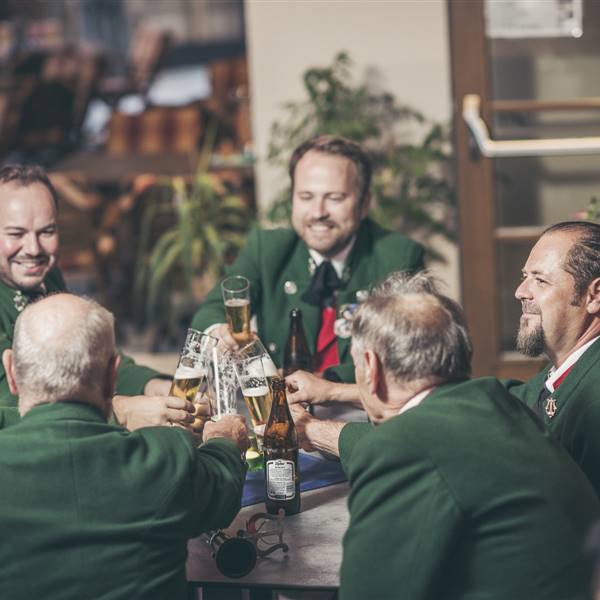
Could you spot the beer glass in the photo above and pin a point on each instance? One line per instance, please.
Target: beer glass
(193, 377)
(236, 297)
(256, 349)
(257, 396)
(224, 398)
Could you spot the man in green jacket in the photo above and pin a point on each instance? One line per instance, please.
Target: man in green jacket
(89, 509)
(324, 265)
(29, 247)
(560, 297)
(457, 491)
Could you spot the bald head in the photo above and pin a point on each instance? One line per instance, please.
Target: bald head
(63, 349)
(417, 333)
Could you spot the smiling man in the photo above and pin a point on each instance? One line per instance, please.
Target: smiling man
(560, 298)
(326, 263)
(29, 247)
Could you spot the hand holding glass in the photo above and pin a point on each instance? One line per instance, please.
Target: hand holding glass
(257, 395)
(236, 297)
(193, 377)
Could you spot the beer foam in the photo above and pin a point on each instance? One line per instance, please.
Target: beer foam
(189, 373)
(257, 391)
(254, 368)
(237, 302)
(269, 367)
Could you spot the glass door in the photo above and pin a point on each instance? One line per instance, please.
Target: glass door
(530, 87)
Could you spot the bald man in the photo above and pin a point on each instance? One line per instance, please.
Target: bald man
(89, 509)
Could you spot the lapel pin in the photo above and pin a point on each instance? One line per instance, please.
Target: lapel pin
(362, 295)
(550, 408)
(290, 287)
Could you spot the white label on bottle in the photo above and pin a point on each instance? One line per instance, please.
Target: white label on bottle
(280, 479)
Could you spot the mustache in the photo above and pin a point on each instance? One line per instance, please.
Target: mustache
(530, 308)
(323, 221)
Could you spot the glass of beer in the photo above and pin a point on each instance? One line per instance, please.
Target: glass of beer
(257, 396)
(193, 379)
(236, 297)
(257, 349)
(224, 399)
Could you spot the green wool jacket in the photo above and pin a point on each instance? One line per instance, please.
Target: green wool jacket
(276, 263)
(576, 423)
(131, 378)
(90, 510)
(465, 496)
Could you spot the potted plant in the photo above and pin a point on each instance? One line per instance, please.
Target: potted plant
(204, 225)
(411, 186)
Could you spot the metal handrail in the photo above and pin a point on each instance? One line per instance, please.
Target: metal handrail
(514, 148)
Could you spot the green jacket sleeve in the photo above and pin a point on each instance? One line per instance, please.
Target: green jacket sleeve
(198, 488)
(132, 378)
(212, 311)
(218, 461)
(350, 435)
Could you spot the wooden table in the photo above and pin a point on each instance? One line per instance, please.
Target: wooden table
(314, 537)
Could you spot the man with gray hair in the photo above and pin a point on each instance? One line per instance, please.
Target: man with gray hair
(89, 509)
(456, 489)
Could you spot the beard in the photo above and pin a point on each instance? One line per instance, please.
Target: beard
(531, 343)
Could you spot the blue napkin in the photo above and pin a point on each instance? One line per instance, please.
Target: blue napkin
(315, 472)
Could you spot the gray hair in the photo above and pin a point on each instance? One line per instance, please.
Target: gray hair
(66, 357)
(417, 332)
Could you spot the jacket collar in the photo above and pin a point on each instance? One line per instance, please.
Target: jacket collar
(59, 411)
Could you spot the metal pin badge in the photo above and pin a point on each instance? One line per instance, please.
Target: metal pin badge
(362, 295)
(272, 347)
(290, 287)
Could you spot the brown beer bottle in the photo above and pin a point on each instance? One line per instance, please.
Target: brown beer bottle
(296, 354)
(282, 479)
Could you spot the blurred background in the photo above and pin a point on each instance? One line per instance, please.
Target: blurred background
(166, 126)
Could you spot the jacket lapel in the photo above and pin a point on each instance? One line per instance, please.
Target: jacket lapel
(359, 278)
(297, 272)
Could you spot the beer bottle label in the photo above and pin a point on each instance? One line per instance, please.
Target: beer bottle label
(281, 479)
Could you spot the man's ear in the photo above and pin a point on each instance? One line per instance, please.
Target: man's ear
(593, 297)
(7, 361)
(111, 377)
(373, 372)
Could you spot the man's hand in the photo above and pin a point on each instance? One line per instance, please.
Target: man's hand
(232, 427)
(306, 388)
(302, 419)
(315, 434)
(157, 387)
(222, 332)
(134, 412)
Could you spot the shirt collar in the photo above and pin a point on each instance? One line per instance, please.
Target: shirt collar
(338, 261)
(416, 400)
(555, 373)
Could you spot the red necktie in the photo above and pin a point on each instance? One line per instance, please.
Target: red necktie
(327, 349)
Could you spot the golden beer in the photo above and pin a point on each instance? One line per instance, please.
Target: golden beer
(237, 311)
(191, 385)
(258, 402)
